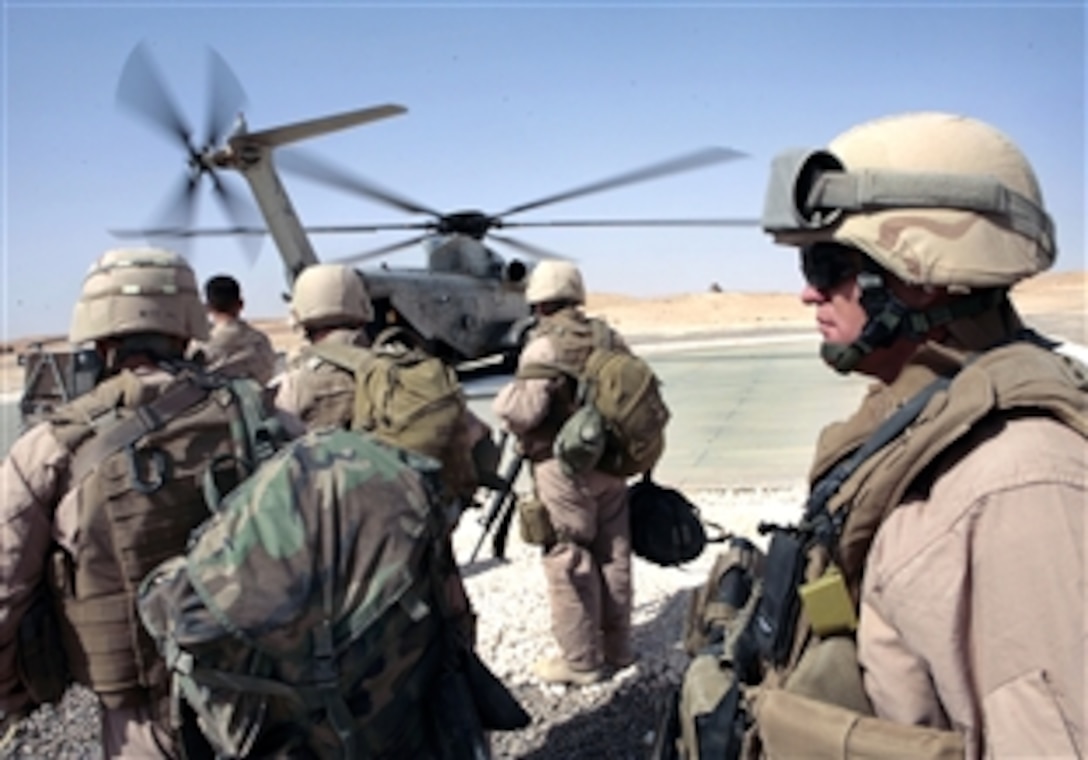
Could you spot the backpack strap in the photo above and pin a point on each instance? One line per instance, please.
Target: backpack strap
(826, 527)
(602, 334)
(111, 438)
(351, 358)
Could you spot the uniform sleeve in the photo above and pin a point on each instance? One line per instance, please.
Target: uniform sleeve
(896, 679)
(523, 403)
(973, 604)
(30, 479)
(266, 361)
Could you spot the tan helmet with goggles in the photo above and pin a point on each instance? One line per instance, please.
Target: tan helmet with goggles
(934, 198)
(138, 290)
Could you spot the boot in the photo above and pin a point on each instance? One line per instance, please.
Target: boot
(557, 670)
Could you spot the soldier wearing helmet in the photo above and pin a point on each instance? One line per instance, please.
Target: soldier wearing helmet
(942, 552)
(587, 563)
(234, 346)
(101, 491)
(329, 303)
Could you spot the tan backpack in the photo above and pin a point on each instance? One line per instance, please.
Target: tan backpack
(409, 399)
(617, 394)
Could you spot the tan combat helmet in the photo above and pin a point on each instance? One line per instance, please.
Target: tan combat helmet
(330, 294)
(935, 198)
(554, 280)
(139, 290)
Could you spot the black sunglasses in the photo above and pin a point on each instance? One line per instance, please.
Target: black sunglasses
(826, 265)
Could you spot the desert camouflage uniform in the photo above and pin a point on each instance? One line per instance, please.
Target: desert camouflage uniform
(970, 587)
(238, 349)
(589, 569)
(38, 505)
(318, 392)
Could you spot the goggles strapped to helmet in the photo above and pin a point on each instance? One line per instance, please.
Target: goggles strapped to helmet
(811, 190)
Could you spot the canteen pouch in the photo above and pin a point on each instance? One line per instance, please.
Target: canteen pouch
(534, 525)
(580, 442)
(776, 616)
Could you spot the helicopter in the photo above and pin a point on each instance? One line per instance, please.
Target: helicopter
(468, 302)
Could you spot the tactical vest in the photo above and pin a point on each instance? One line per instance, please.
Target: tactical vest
(137, 507)
(1019, 378)
(574, 336)
(327, 392)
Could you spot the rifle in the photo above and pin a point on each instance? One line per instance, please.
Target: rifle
(501, 505)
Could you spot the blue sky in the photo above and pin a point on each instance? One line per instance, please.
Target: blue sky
(507, 103)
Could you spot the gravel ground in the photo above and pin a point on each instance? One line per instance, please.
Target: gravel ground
(613, 719)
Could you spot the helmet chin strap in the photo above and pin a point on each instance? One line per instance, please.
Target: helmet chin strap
(889, 319)
(886, 318)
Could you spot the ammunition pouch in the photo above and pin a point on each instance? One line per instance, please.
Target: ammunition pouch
(775, 619)
(534, 524)
(716, 606)
(40, 661)
(711, 712)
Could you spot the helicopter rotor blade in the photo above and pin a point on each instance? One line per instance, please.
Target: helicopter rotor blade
(308, 165)
(687, 162)
(243, 216)
(226, 99)
(143, 91)
(528, 249)
(379, 252)
(176, 213)
(738, 222)
(320, 229)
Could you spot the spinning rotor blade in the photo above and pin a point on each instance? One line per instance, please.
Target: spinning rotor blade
(177, 213)
(242, 214)
(225, 99)
(321, 229)
(143, 91)
(638, 223)
(310, 166)
(695, 160)
(534, 251)
(383, 251)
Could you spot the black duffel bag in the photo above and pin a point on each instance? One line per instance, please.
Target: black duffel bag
(666, 528)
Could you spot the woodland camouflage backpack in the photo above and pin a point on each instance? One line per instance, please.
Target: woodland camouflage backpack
(409, 399)
(306, 617)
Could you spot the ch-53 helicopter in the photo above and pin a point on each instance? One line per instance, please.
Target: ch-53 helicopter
(467, 303)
